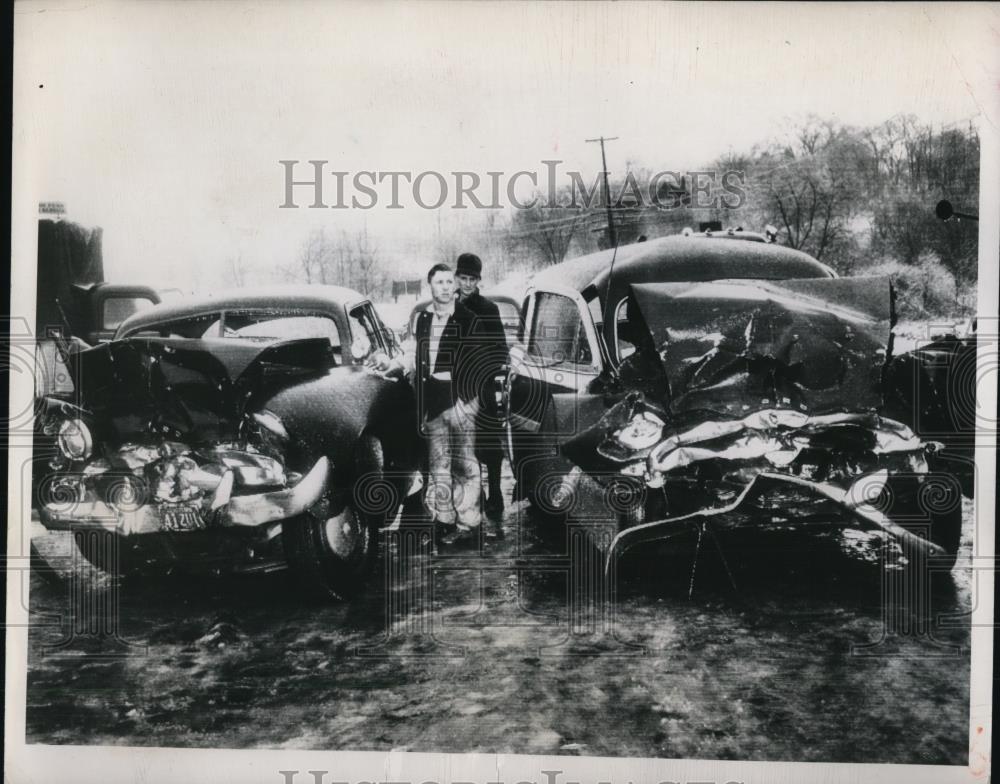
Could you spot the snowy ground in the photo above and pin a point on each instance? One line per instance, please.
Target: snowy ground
(795, 663)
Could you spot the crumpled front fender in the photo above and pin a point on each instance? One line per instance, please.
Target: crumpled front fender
(855, 500)
(252, 510)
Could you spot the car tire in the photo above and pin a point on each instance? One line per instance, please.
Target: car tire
(542, 475)
(545, 495)
(331, 554)
(914, 501)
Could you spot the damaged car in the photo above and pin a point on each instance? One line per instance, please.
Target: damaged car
(689, 377)
(241, 432)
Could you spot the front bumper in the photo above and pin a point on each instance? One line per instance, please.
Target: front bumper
(241, 511)
(855, 500)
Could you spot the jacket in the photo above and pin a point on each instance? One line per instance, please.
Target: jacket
(491, 345)
(454, 356)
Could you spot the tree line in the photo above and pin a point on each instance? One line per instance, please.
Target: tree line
(860, 199)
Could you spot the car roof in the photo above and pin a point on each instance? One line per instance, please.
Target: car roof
(307, 297)
(693, 257)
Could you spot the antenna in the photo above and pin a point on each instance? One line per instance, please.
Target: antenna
(608, 312)
(612, 240)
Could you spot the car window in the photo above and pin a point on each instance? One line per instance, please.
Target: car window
(510, 317)
(202, 325)
(260, 326)
(623, 331)
(366, 328)
(557, 334)
(266, 327)
(596, 313)
(117, 309)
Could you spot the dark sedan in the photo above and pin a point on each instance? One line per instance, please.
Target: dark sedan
(667, 381)
(244, 431)
(578, 331)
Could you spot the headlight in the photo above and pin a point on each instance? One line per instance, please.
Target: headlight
(270, 433)
(271, 423)
(74, 440)
(642, 431)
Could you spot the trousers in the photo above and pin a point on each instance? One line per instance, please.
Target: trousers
(453, 481)
(489, 447)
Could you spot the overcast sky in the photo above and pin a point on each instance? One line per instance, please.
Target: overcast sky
(164, 122)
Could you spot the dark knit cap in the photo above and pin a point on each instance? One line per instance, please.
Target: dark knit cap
(469, 264)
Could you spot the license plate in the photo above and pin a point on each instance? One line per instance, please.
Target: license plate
(182, 519)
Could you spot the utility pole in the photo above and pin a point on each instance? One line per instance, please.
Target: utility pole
(612, 235)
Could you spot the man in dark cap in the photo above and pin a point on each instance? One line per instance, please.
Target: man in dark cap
(490, 356)
(448, 397)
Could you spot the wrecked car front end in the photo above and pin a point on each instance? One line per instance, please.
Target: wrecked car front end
(764, 390)
(170, 461)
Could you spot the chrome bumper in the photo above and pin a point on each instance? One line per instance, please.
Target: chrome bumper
(246, 511)
(855, 500)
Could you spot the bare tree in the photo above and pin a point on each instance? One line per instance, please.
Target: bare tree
(313, 258)
(809, 186)
(547, 232)
(369, 276)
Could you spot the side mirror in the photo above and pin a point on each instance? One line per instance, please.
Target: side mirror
(946, 212)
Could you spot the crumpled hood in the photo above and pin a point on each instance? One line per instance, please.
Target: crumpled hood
(195, 389)
(732, 347)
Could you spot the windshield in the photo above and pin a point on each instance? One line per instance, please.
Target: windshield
(557, 333)
(265, 328)
(258, 326)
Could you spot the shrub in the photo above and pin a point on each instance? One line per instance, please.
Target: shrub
(924, 290)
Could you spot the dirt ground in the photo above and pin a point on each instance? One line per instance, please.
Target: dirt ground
(785, 649)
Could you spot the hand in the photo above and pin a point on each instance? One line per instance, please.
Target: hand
(385, 366)
(380, 361)
(465, 411)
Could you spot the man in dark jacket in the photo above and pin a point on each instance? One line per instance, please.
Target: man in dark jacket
(490, 358)
(444, 380)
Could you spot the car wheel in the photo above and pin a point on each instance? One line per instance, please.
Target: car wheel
(550, 497)
(929, 505)
(331, 551)
(544, 476)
